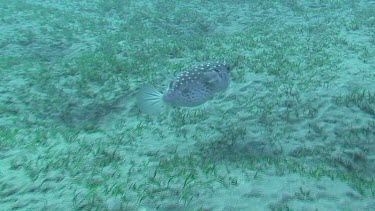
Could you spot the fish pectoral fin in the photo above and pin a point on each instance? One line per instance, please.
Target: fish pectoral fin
(212, 77)
(211, 81)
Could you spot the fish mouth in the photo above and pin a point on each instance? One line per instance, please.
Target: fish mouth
(227, 67)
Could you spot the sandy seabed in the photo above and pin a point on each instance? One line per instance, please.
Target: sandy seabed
(294, 131)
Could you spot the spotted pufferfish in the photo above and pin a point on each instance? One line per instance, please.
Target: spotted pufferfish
(191, 88)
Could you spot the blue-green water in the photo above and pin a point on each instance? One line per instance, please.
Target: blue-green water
(295, 130)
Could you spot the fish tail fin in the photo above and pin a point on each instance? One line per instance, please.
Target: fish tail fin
(150, 100)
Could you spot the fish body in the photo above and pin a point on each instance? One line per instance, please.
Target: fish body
(191, 88)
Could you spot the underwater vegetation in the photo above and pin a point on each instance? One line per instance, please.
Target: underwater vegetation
(300, 104)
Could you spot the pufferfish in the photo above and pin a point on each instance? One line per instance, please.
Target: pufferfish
(191, 88)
